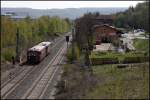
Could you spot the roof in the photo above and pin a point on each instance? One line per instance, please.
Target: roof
(112, 27)
(96, 26)
(104, 47)
(37, 48)
(44, 43)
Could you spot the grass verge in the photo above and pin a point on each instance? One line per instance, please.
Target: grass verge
(126, 83)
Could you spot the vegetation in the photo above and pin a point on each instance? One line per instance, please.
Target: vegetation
(120, 83)
(142, 45)
(30, 32)
(113, 57)
(73, 53)
(77, 82)
(83, 25)
(106, 82)
(114, 54)
(137, 17)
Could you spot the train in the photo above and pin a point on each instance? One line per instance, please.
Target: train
(38, 52)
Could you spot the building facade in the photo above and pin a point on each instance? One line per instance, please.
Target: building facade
(105, 33)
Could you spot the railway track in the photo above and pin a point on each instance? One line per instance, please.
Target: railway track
(39, 87)
(10, 85)
(24, 68)
(13, 77)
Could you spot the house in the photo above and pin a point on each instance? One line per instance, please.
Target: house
(105, 33)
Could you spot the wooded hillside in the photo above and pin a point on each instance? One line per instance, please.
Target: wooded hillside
(30, 32)
(134, 17)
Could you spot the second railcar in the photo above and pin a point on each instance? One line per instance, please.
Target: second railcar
(47, 46)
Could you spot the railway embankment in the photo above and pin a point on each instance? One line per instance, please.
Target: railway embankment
(34, 76)
(105, 82)
(9, 70)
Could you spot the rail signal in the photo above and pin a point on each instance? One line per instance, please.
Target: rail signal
(67, 40)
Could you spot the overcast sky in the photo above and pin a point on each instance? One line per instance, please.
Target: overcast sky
(67, 4)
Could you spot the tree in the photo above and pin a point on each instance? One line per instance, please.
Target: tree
(137, 17)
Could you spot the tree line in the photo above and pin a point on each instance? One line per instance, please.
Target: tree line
(134, 17)
(31, 31)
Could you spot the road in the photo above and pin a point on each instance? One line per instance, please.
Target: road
(37, 81)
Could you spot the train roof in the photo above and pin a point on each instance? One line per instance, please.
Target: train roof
(37, 48)
(45, 43)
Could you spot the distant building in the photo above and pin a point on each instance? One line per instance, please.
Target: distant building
(105, 33)
(16, 16)
(8, 14)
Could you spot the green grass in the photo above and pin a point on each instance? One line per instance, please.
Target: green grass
(73, 53)
(142, 45)
(7, 54)
(126, 83)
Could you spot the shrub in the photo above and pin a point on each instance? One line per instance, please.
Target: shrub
(75, 55)
(69, 55)
(135, 59)
(111, 57)
(7, 54)
(98, 61)
(138, 44)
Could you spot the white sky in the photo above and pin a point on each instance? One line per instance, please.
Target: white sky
(66, 4)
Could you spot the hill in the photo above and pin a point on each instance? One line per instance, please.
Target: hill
(71, 13)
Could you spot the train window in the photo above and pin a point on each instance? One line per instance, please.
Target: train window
(32, 53)
(39, 53)
(44, 44)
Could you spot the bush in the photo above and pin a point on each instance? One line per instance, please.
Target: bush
(7, 54)
(98, 61)
(73, 56)
(135, 59)
(69, 55)
(111, 57)
(138, 44)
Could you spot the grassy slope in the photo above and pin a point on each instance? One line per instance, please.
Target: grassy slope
(141, 45)
(120, 83)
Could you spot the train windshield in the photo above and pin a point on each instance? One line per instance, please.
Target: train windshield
(33, 53)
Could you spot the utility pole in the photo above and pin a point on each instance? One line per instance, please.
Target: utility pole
(17, 45)
(73, 32)
(87, 53)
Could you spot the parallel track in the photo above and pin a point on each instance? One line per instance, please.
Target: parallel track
(12, 83)
(9, 87)
(38, 88)
(20, 72)
(10, 79)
